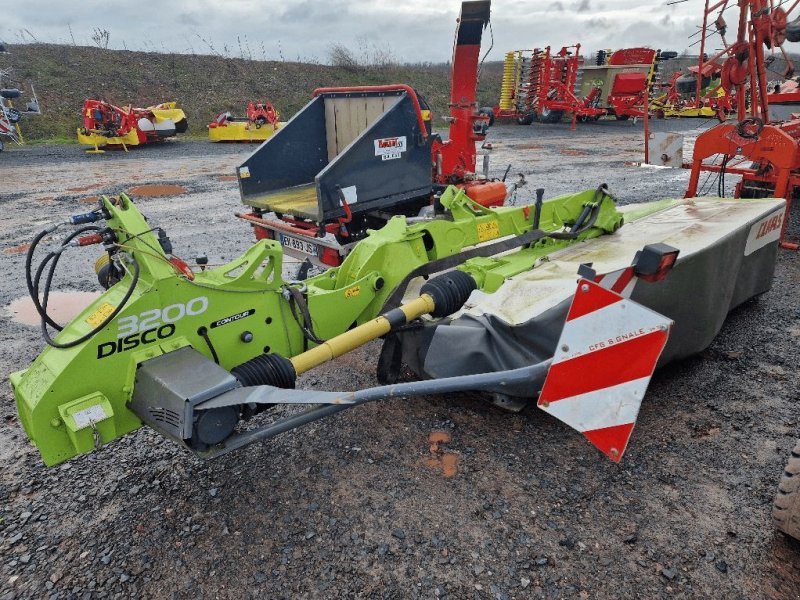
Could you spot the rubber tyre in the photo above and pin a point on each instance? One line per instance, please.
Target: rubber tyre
(182, 126)
(757, 189)
(793, 30)
(487, 110)
(623, 117)
(668, 55)
(786, 511)
(551, 116)
(526, 119)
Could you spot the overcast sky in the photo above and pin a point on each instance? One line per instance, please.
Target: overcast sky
(410, 30)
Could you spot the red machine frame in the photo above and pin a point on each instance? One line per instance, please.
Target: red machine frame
(551, 89)
(553, 78)
(105, 119)
(770, 149)
(261, 113)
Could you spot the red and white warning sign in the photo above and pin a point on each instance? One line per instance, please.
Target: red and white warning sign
(602, 366)
(390, 148)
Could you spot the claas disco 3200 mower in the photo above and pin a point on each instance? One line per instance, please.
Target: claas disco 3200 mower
(556, 304)
(567, 304)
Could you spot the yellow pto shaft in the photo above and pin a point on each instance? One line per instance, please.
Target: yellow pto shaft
(350, 340)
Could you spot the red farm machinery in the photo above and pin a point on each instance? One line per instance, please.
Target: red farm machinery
(260, 122)
(107, 125)
(764, 153)
(545, 86)
(355, 156)
(698, 93)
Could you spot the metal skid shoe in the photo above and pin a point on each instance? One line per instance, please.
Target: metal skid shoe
(594, 383)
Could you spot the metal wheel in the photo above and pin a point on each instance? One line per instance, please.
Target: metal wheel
(786, 511)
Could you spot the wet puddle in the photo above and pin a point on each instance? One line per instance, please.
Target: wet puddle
(439, 459)
(84, 188)
(17, 249)
(62, 307)
(159, 190)
(572, 152)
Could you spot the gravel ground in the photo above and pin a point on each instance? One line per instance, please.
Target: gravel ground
(359, 505)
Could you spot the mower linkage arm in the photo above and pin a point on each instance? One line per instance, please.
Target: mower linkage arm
(333, 402)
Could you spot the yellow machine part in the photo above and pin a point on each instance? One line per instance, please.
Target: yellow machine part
(167, 110)
(242, 131)
(512, 68)
(93, 139)
(705, 111)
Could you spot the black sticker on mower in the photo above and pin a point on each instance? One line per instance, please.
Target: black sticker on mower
(233, 318)
(129, 342)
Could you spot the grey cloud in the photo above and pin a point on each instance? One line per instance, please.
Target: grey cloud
(412, 30)
(581, 6)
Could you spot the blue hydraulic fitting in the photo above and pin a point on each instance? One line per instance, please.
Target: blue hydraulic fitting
(82, 218)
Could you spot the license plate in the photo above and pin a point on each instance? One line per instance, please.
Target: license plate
(298, 245)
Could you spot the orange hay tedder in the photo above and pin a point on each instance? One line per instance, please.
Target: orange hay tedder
(765, 153)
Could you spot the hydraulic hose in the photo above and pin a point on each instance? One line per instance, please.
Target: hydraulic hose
(33, 283)
(50, 263)
(101, 326)
(579, 227)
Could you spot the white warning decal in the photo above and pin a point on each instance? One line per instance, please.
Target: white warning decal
(87, 416)
(390, 148)
(764, 232)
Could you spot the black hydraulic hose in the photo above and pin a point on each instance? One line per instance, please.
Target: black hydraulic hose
(28, 278)
(602, 192)
(33, 283)
(721, 180)
(203, 333)
(307, 326)
(102, 325)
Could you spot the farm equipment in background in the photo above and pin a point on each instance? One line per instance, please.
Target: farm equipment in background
(695, 95)
(624, 78)
(538, 85)
(261, 122)
(106, 125)
(10, 116)
(763, 152)
(354, 157)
